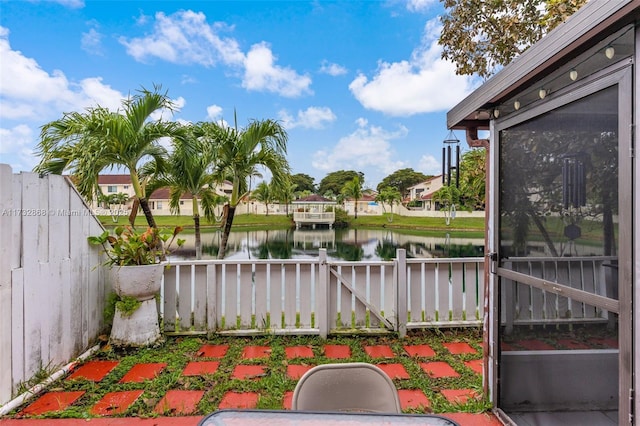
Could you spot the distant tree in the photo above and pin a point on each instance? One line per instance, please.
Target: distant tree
(303, 182)
(401, 180)
(263, 194)
(481, 36)
(353, 189)
(285, 194)
(335, 181)
(391, 196)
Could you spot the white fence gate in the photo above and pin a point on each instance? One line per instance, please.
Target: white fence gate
(51, 293)
(318, 296)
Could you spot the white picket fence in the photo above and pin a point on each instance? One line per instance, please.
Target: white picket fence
(317, 296)
(51, 293)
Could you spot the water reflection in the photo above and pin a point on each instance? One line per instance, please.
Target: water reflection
(349, 245)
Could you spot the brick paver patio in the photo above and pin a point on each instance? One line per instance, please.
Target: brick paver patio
(217, 376)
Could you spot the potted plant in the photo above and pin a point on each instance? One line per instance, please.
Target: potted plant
(135, 261)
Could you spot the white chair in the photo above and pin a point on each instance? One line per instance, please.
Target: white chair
(356, 386)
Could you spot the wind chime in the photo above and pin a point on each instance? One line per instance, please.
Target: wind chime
(450, 170)
(574, 190)
(451, 164)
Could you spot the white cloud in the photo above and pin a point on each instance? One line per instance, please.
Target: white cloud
(30, 93)
(367, 147)
(429, 165)
(424, 83)
(311, 118)
(420, 5)
(332, 69)
(185, 37)
(72, 4)
(91, 42)
(214, 112)
(262, 74)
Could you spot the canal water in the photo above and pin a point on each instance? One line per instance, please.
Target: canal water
(341, 244)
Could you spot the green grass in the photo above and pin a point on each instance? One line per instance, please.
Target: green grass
(272, 387)
(253, 221)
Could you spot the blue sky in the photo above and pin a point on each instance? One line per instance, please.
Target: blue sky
(359, 85)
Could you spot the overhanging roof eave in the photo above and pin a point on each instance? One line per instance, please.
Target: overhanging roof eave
(568, 39)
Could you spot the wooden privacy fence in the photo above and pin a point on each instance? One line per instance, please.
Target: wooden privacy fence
(318, 296)
(51, 293)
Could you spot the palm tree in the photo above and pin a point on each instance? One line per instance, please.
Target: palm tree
(286, 195)
(353, 189)
(390, 196)
(84, 144)
(263, 194)
(189, 171)
(240, 152)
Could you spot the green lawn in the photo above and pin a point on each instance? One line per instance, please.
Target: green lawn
(412, 224)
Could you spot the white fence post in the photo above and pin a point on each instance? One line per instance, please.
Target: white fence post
(6, 229)
(401, 298)
(323, 299)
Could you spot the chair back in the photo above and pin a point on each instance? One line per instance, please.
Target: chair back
(356, 386)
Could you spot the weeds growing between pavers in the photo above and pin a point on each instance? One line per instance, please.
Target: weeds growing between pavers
(274, 384)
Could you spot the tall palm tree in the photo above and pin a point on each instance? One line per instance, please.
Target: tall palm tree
(263, 194)
(84, 144)
(189, 171)
(240, 151)
(390, 196)
(353, 189)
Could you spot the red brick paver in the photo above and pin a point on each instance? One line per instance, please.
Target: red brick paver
(288, 399)
(50, 402)
(572, 344)
(420, 351)
(379, 351)
(475, 365)
(298, 352)
(200, 368)
(535, 345)
(93, 370)
(141, 372)
(337, 351)
(212, 351)
(239, 400)
(179, 402)
(256, 352)
(394, 371)
(458, 396)
(115, 402)
(438, 369)
(294, 372)
(245, 372)
(457, 348)
(413, 399)
(474, 419)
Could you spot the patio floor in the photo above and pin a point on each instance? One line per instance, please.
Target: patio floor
(186, 378)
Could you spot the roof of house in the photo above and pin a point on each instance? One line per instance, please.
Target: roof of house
(582, 31)
(114, 179)
(164, 194)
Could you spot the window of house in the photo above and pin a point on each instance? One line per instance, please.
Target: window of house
(159, 205)
(112, 188)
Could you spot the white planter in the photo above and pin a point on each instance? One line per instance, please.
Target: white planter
(141, 328)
